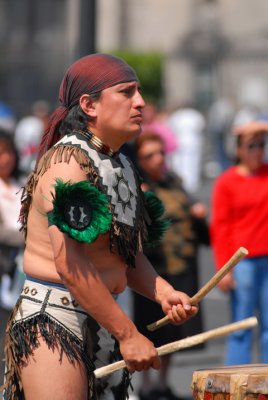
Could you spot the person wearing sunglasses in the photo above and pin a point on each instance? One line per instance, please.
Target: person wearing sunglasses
(240, 218)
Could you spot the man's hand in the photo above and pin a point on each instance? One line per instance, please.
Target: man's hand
(177, 306)
(139, 353)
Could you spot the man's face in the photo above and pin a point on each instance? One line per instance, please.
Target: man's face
(119, 112)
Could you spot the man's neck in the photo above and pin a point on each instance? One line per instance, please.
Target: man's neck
(98, 143)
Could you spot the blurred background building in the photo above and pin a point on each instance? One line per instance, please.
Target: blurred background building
(208, 56)
(209, 48)
(38, 41)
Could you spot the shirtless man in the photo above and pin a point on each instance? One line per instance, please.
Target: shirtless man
(86, 223)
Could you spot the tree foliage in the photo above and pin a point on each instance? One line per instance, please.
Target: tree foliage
(148, 67)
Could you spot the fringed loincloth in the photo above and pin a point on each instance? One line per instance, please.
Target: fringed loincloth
(52, 313)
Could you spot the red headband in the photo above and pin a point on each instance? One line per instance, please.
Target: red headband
(89, 74)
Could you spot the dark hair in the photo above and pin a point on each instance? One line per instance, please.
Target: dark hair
(239, 140)
(238, 143)
(8, 139)
(76, 118)
(147, 136)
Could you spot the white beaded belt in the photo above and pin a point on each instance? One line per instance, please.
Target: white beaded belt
(51, 295)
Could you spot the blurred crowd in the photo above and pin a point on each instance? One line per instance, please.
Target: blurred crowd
(19, 141)
(177, 150)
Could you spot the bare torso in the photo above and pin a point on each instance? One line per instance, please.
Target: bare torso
(39, 258)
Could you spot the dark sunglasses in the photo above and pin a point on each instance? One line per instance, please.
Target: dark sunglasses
(255, 145)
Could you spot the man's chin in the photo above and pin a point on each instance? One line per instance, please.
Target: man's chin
(134, 134)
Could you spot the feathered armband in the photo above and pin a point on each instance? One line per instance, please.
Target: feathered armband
(80, 210)
(158, 225)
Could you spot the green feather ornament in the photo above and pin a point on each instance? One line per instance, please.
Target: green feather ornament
(80, 210)
(158, 225)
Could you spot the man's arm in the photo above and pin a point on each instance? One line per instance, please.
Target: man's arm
(144, 279)
(83, 280)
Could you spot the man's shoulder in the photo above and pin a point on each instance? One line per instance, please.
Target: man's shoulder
(66, 171)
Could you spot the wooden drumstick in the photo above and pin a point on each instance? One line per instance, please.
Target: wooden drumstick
(185, 343)
(236, 257)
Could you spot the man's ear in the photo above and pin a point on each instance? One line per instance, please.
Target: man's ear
(88, 105)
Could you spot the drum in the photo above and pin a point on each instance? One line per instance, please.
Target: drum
(231, 383)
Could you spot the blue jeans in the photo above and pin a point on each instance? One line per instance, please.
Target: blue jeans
(249, 296)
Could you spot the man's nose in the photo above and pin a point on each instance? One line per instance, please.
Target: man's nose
(139, 102)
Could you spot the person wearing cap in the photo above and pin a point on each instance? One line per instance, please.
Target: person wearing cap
(239, 217)
(259, 126)
(86, 222)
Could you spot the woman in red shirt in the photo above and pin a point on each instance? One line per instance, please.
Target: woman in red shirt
(240, 218)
